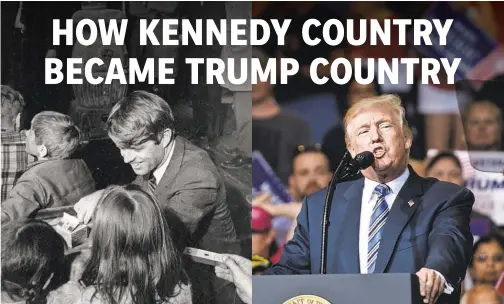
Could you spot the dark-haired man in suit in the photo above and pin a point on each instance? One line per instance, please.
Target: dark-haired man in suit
(182, 177)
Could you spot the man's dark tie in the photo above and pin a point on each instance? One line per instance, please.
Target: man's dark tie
(152, 184)
(378, 219)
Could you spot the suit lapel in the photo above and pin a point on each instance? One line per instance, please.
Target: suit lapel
(345, 220)
(400, 214)
(173, 165)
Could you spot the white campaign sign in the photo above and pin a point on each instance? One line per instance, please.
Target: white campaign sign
(488, 189)
(488, 185)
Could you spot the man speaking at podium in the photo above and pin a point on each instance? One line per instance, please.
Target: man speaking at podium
(390, 221)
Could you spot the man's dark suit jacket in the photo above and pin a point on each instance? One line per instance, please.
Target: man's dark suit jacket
(433, 232)
(192, 195)
(193, 191)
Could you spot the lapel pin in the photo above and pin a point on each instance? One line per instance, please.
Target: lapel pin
(411, 203)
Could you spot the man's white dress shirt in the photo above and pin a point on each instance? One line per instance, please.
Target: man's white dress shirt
(369, 200)
(160, 171)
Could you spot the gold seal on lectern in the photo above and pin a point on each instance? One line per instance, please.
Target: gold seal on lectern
(307, 299)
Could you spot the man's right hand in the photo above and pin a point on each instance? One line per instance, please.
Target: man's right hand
(85, 206)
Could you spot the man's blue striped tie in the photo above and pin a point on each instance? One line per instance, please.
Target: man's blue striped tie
(378, 219)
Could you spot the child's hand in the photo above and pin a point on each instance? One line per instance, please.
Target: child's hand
(85, 206)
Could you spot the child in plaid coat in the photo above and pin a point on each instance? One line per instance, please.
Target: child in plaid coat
(13, 156)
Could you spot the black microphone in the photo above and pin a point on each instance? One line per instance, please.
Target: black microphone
(361, 161)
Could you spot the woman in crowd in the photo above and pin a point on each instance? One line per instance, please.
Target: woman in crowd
(133, 259)
(487, 264)
(32, 264)
(447, 167)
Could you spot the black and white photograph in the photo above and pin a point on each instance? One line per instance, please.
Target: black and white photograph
(123, 192)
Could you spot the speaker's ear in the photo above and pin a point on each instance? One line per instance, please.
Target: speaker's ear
(408, 142)
(351, 151)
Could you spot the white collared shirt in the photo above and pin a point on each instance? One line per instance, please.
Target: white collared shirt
(367, 205)
(160, 171)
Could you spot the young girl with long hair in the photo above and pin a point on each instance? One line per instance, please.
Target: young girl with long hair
(133, 257)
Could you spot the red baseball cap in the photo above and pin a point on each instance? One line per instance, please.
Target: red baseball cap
(261, 219)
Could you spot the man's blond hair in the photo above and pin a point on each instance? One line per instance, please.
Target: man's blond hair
(390, 100)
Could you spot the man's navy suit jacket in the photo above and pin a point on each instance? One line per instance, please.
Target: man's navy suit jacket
(433, 232)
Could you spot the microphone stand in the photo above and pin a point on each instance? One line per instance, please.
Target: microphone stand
(348, 170)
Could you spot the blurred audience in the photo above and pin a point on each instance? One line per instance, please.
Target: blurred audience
(441, 103)
(481, 13)
(264, 245)
(275, 132)
(483, 126)
(482, 294)
(301, 85)
(377, 11)
(310, 171)
(487, 264)
(446, 166)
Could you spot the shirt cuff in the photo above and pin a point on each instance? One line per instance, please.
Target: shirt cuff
(448, 288)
